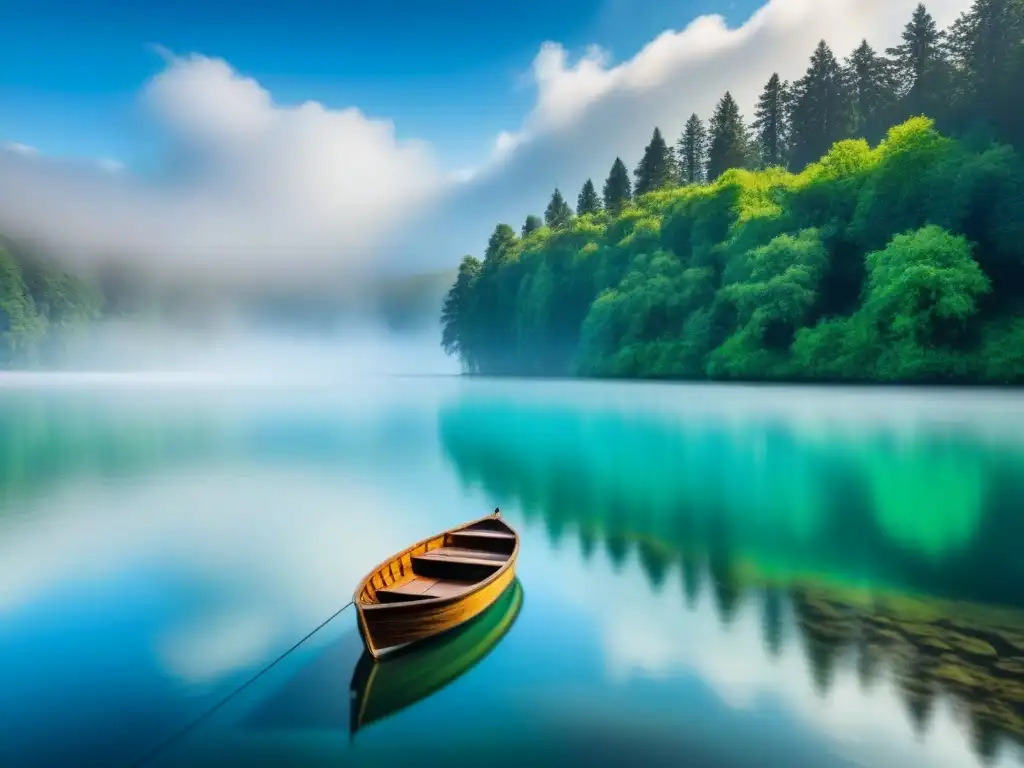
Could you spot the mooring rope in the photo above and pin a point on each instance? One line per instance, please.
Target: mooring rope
(162, 746)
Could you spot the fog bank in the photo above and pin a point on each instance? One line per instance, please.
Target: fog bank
(239, 353)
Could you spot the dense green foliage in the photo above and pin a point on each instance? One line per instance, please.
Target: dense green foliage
(39, 304)
(902, 261)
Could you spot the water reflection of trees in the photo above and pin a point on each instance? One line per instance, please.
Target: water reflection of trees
(47, 438)
(654, 511)
(972, 655)
(934, 513)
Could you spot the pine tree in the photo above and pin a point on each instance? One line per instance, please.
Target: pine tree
(656, 169)
(691, 151)
(821, 114)
(872, 93)
(728, 145)
(498, 244)
(771, 123)
(617, 188)
(922, 67)
(588, 201)
(986, 47)
(531, 225)
(558, 213)
(456, 318)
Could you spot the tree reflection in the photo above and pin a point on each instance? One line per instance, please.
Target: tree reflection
(708, 499)
(771, 620)
(824, 631)
(587, 541)
(692, 577)
(617, 547)
(655, 559)
(844, 505)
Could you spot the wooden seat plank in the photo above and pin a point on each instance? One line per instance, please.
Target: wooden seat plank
(484, 534)
(415, 589)
(460, 554)
(418, 585)
(450, 588)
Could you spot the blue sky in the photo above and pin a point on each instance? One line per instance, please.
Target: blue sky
(250, 164)
(447, 72)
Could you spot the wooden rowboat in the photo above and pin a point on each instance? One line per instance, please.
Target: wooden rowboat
(380, 688)
(436, 584)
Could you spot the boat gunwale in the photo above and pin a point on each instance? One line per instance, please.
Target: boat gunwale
(361, 606)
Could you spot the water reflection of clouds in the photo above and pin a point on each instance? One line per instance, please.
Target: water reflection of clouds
(652, 635)
(277, 550)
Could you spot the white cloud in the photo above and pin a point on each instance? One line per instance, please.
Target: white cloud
(110, 165)
(266, 191)
(287, 192)
(20, 149)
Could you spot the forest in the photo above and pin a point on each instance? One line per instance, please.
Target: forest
(866, 225)
(39, 303)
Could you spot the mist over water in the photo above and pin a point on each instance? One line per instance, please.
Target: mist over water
(239, 352)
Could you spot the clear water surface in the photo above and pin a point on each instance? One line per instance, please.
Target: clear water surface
(709, 575)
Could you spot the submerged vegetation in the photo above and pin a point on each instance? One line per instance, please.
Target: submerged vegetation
(815, 244)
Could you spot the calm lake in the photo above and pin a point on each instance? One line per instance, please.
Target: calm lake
(709, 575)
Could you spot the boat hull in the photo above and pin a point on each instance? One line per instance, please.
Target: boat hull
(388, 627)
(382, 687)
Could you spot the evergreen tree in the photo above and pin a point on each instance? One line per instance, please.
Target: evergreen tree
(456, 314)
(728, 145)
(498, 244)
(986, 47)
(588, 201)
(656, 169)
(691, 151)
(531, 225)
(558, 213)
(872, 93)
(821, 114)
(922, 67)
(617, 188)
(771, 123)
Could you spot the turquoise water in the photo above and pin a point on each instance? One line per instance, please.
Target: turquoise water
(710, 575)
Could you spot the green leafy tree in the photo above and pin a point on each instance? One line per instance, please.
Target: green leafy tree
(457, 321)
(618, 190)
(821, 114)
(531, 225)
(656, 169)
(924, 287)
(771, 123)
(872, 93)
(588, 201)
(20, 324)
(691, 151)
(728, 146)
(558, 214)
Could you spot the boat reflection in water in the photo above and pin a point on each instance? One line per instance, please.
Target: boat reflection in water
(313, 697)
(381, 688)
